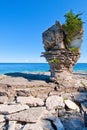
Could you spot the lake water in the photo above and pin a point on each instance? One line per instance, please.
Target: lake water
(35, 67)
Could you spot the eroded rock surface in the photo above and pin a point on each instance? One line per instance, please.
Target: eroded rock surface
(60, 55)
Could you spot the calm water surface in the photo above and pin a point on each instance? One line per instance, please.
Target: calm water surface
(35, 67)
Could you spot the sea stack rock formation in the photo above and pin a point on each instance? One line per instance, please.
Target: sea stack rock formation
(60, 54)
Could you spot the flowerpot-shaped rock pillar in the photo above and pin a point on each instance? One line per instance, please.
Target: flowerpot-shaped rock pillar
(59, 55)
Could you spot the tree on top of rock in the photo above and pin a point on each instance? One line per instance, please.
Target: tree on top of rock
(73, 25)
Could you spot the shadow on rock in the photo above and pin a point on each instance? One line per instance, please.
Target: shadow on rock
(30, 76)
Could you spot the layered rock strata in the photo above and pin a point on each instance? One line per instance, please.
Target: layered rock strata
(39, 106)
(60, 55)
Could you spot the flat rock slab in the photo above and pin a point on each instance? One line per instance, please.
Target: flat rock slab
(32, 127)
(31, 101)
(54, 102)
(1, 125)
(2, 118)
(49, 120)
(3, 99)
(30, 115)
(71, 105)
(8, 109)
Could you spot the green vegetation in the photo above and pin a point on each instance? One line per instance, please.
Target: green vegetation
(54, 61)
(74, 49)
(73, 25)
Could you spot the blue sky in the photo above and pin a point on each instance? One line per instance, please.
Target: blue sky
(23, 21)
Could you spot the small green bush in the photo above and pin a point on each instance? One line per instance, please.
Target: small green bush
(73, 25)
(74, 49)
(54, 61)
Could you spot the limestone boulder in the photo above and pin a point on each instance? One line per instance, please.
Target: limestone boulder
(23, 92)
(31, 101)
(8, 109)
(32, 127)
(51, 121)
(54, 102)
(31, 115)
(71, 105)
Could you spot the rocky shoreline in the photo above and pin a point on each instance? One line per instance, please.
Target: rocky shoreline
(32, 101)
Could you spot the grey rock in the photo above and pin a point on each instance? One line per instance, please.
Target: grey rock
(17, 126)
(1, 125)
(32, 127)
(58, 53)
(3, 99)
(71, 105)
(54, 102)
(55, 122)
(31, 101)
(8, 109)
(23, 93)
(61, 112)
(46, 125)
(2, 118)
(30, 115)
(3, 94)
(12, 125)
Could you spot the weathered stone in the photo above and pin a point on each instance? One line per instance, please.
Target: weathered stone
(31, 101)
(81, 89)
(11, 125)
(3, 99)
(1, 125)
(17, 126)
(2, 118)
(61, 112)
(8, 109)
(46, 125)
(54, 102)
(71, 105)
(23, 93)
(3, 94)
(30, 115)
(55, 122)
(32, 127)
(53, 38)
(61, 56)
